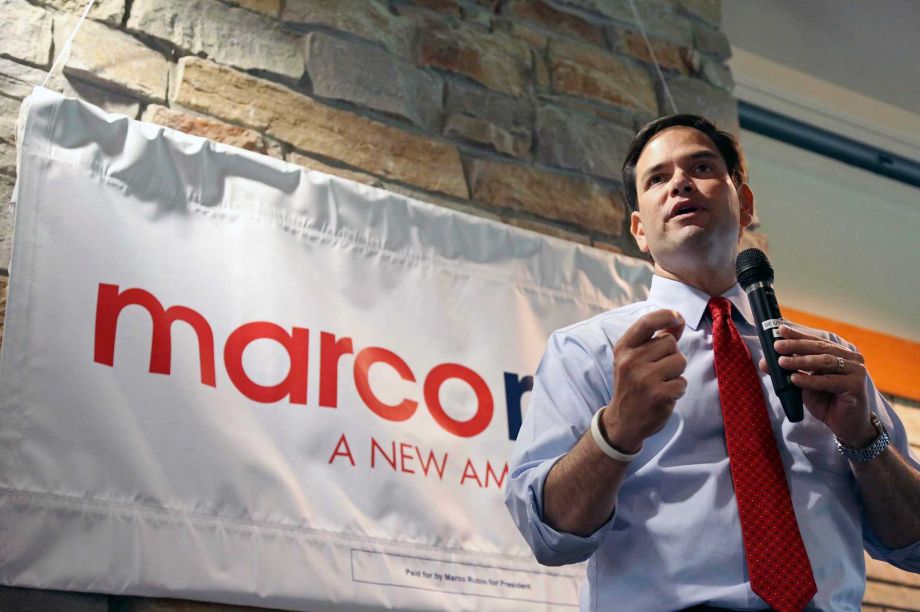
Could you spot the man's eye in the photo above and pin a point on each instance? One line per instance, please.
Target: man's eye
(655, 180)
(704, 167)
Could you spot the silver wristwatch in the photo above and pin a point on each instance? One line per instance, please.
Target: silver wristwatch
(876, 448)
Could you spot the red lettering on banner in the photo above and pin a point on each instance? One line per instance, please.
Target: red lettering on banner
(469, 471)
(342, 443)
(330, 350)
(465, 429)
(110, 303)
(296, 344)
(389, 459)
(402, 460)
(490, 474)
(405, 457)
(426, 465)
(363, 362)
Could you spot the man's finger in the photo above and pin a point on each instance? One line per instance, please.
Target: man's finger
(661, 345)
(829, 383)
(826, 364)
(787, 332)
(668, 321)
(816, 347)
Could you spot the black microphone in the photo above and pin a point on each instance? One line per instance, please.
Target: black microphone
(755, 275)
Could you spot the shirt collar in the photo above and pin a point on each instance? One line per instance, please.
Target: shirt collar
(692, 303)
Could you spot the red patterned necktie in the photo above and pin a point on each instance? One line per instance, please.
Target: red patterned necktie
(777, 560)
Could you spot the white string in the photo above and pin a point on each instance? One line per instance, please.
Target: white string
(66, 48)
(648, 45)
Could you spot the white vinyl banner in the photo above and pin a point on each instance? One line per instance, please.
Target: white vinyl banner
(227, 378)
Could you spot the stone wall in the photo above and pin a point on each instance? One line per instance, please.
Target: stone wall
(514, 110)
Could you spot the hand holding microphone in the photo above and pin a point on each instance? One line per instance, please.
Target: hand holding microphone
(832, 375)
(755, 275)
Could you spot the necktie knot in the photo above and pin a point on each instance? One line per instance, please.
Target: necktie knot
(720, 307)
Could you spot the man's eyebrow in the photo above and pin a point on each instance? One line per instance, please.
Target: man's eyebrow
(701, 154)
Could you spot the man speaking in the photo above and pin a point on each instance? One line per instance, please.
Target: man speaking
(655, 447)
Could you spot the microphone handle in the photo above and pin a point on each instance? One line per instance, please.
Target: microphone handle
(768, 319)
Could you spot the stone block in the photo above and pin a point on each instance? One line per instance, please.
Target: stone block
(582, 142)
(489, 118)
(114, 60)
(272, 8)
(716, 73)
(711, 41)
(316, 128)
(707, 10)
(366, 19)
(660, 21)
(667, 55)
(25, 32)
(17, 80)
(368, 76)
(555, 20)
(6, 220)
(497, 60)
(574, 200)
(546, 229)
(658, 17)
(891, 597)
(526, 33)
(9, 112)
(484, 133)
(448, 7)
(540, 72)
(586, 71)
(459, 206)
(611, 9)
(108, 101)
(212, 129)
(109, 11)
(16, 599)
(314, 164)
(227, 34)
(694, 96)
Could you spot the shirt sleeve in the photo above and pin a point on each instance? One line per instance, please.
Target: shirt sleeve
(570, 385)
(907, 557)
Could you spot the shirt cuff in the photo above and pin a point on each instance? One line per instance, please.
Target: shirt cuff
(563, 547)
(906, 557)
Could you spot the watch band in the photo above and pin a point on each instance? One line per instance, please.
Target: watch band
(876, 448)
(604, 445)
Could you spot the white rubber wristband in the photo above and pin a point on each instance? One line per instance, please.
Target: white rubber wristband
(602, 443)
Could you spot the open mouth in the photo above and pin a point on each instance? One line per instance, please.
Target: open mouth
(687, 209)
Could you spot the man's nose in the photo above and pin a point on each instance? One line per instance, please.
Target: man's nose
(680, 183)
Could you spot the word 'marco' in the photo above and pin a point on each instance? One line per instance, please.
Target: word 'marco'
(111, 301)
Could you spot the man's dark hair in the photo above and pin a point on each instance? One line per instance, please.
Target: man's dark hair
(726, 144)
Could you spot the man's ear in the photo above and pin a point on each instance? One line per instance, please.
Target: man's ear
(746, 199)
(635, 228)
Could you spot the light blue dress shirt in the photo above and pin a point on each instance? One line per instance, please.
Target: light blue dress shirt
(674, 540)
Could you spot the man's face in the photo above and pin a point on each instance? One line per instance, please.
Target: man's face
(689, 208)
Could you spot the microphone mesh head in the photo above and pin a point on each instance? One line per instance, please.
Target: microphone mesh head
(752, 266)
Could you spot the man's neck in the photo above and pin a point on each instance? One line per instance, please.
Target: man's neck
(713, 282)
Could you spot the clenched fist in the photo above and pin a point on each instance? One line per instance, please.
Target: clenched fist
(647, 368)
